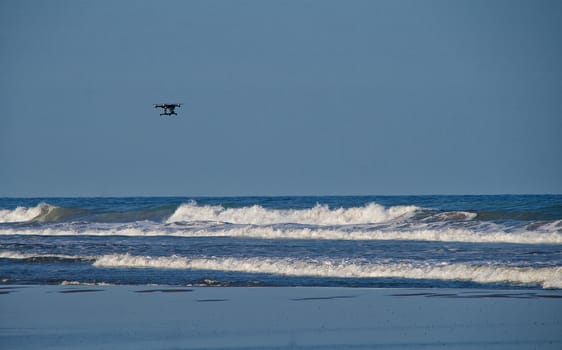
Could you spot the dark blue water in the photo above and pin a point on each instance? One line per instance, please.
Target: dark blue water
(396, 241)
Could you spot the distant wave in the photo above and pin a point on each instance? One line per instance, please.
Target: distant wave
(46, 213)
(368, 222)
(24, 214)
(317, 215)
(42, 212)
(547, 277)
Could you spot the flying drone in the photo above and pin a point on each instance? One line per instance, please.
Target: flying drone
(168, 108)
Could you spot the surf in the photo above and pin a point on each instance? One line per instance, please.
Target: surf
(318, 215)
(546, 277)
(205, 229)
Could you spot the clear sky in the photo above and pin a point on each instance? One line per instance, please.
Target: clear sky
(280, 97)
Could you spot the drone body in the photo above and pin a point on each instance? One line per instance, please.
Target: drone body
(168, 108)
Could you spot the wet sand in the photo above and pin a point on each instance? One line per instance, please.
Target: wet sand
(145, 317)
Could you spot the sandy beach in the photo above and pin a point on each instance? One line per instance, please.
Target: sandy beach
(153, 317)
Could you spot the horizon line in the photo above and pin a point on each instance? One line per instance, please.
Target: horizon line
(281, 195)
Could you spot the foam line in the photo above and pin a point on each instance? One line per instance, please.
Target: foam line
(548, 277)
(14, 255)
(257, 232)
(27, 256)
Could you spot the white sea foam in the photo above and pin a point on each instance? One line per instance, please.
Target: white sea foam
(14, 255)
(20, 256)
(257, 232)
(77, 283)
(318, 215)
(453, 215)
(23, 214)
(548, 277)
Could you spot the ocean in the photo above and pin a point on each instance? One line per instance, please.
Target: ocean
(499, 242)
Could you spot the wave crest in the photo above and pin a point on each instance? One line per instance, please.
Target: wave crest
(317, 215)
(42, 212)
(25, 214)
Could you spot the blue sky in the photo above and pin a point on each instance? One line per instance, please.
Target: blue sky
(280, 97)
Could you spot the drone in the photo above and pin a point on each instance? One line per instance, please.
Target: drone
(169, 108)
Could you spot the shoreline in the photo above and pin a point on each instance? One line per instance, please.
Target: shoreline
(172, 317)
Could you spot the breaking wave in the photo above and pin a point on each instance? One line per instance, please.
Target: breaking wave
(546, 277)
(42, 212)
(318, 215)
(24, 214)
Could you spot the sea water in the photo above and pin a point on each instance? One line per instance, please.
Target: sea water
(507, 241)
